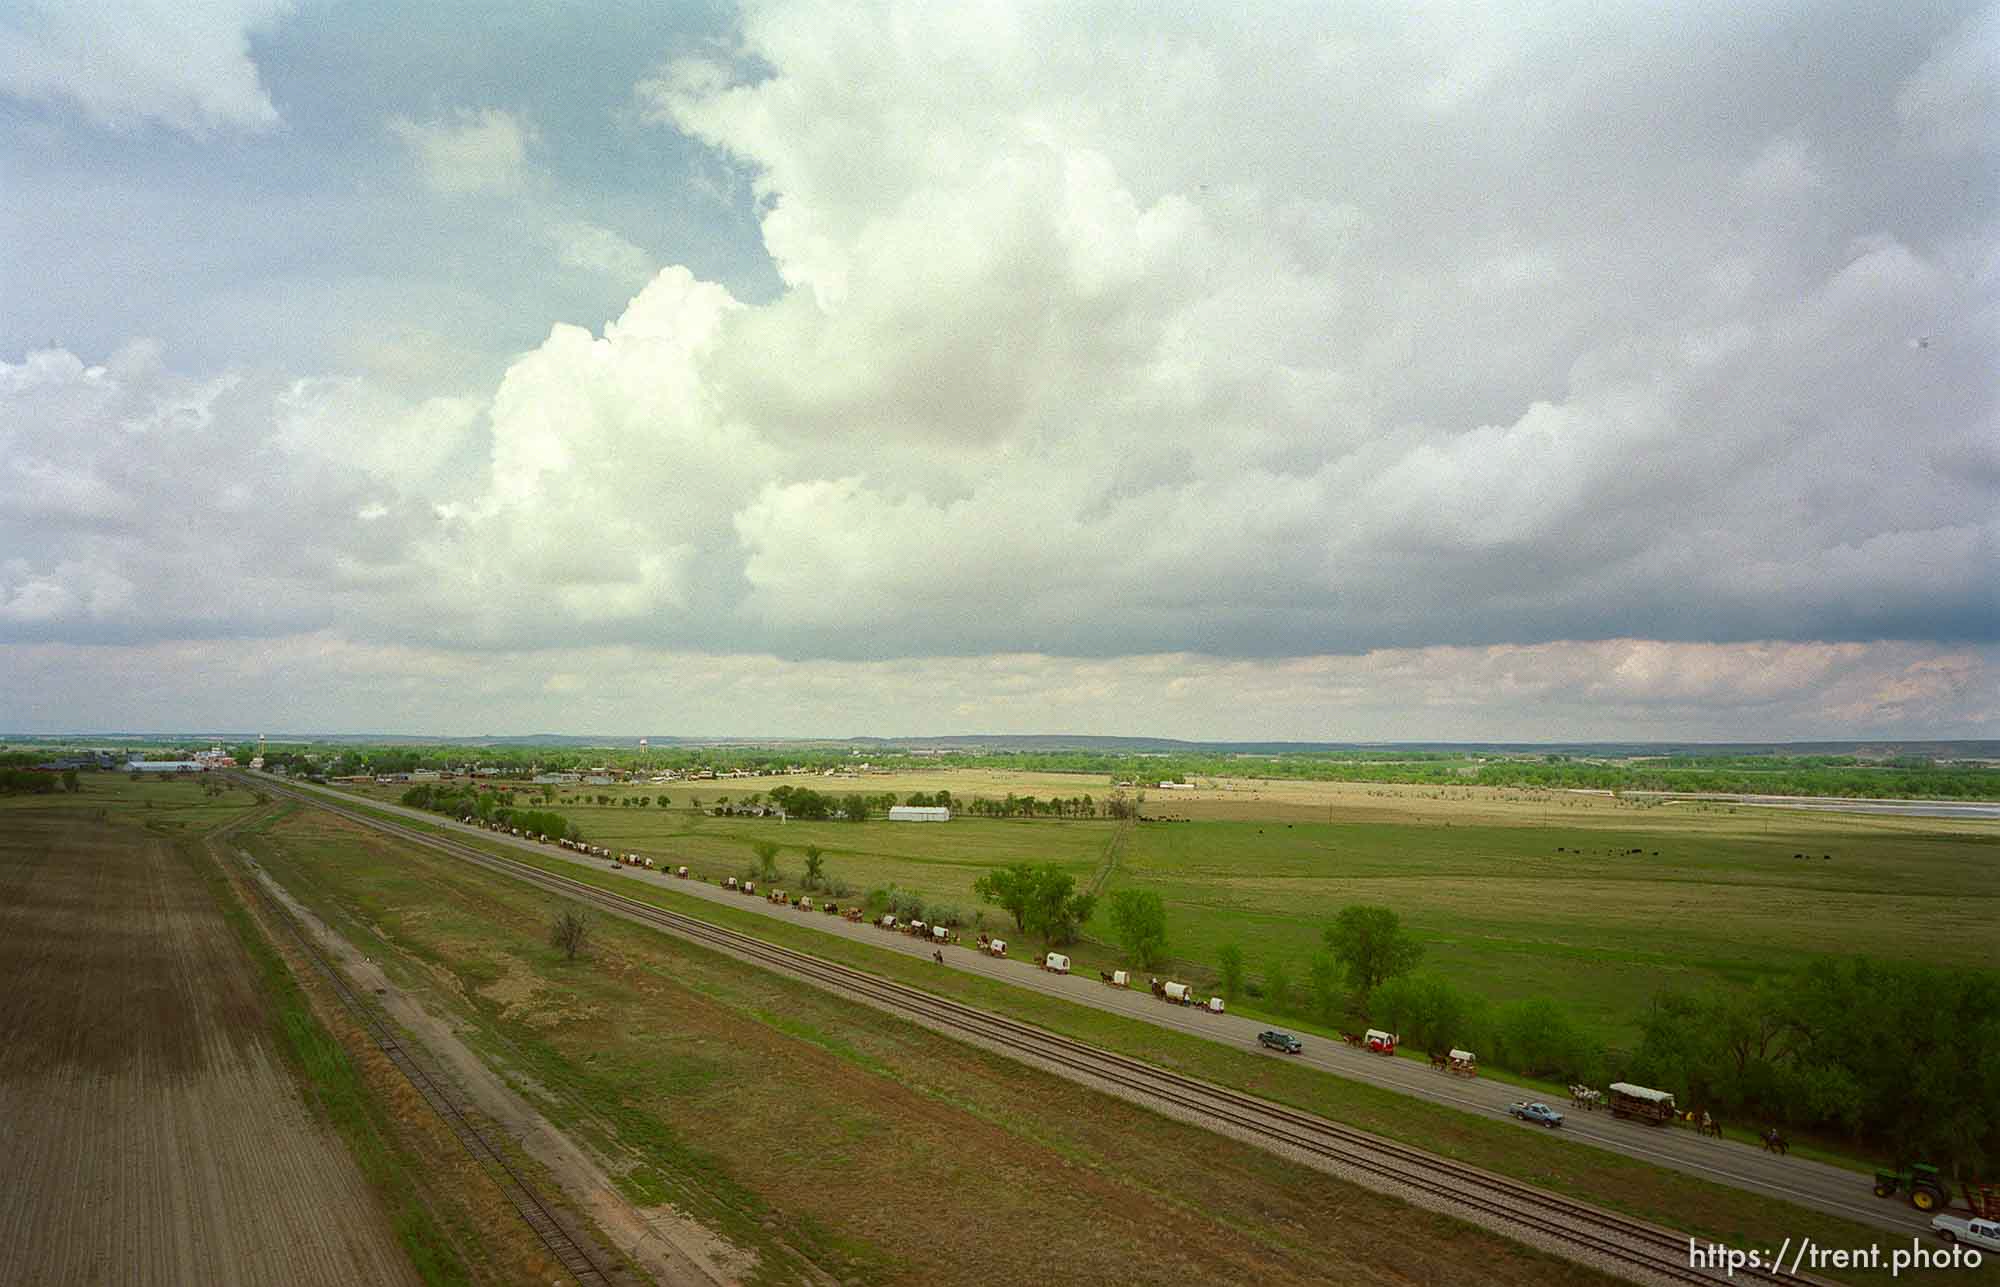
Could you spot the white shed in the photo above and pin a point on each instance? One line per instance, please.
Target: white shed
(918, 813)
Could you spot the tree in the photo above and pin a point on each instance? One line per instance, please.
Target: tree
(1371, 946)
(1538, 1039)
(1278, 985)
(569, 932)
(1054, 909)
(854, 808)
(767, 860)
(1139, 919)
(1424, 1010)
(1229, 963)
(662, 801)
(1323, 986)
(1010, 888)
(815, 867)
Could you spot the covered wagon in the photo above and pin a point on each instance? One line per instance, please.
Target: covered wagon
(1056, 963)
(1382, 1043)
(1178, 993)
(1642, 1103)
(998, 947)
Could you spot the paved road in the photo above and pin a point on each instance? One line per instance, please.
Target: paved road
(1811, 1184)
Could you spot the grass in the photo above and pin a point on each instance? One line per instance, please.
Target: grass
(811, 1130)
(1713, 893)
(1672, 1198)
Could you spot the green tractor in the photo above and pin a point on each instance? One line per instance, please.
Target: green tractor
(1926, 1188)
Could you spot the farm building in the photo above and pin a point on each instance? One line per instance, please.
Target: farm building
(919, 813)
(165, 766)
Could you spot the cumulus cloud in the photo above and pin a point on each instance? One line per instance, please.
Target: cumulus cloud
(1120, 336)
(187, 67)
(468, 151)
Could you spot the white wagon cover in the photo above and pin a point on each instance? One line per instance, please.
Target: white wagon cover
(1642, 1092)
(1465, 1056)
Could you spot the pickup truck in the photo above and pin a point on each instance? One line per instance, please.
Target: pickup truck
(1284, 1041)
(1541, 1113)
(1973, 1232)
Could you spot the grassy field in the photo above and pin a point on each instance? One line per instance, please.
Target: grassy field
(1597, 902)
(1672, 1198)
(825, 1138)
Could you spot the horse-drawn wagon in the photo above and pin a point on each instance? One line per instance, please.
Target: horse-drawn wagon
(1056, 963)
(1379, 1042)
(998, 946)
(1641, 1103)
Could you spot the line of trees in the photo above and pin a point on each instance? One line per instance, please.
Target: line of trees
(1896, 1056)
(488, 806)
(1893, 1055)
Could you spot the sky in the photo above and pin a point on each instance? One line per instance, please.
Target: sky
(1253, 371)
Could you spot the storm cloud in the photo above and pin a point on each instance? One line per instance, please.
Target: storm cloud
(1092, 335)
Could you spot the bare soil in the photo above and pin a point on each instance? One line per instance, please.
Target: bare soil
(667, 1245)
(151, 1131)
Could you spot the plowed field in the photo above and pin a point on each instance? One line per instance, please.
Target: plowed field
(151, 1132)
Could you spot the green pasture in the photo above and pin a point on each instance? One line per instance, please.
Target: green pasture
(1708, 896)
(1505, 915)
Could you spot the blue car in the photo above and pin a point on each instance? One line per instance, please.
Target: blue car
(1540, 1113)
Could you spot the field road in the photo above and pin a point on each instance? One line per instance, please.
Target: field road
(1810, 1184)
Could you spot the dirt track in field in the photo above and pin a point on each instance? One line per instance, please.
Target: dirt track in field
(152, 1133)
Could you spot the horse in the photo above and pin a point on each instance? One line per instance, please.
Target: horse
(1351, 1038)
(1776, 1143)
(938, 957)
(1708, 1125)
(1440, 1062)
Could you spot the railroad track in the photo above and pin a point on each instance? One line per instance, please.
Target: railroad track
(1597, 1235)
(567, 1251)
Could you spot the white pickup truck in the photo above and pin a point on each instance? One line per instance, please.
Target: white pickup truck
(1974, 1232)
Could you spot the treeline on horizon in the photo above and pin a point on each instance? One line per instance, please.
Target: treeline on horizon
(1908, 777)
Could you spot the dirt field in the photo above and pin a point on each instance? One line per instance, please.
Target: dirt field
(152, 1134)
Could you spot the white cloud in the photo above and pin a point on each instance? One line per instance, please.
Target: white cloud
(1112, 337)
(467, 151)
(589, 248)
(185, 66)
